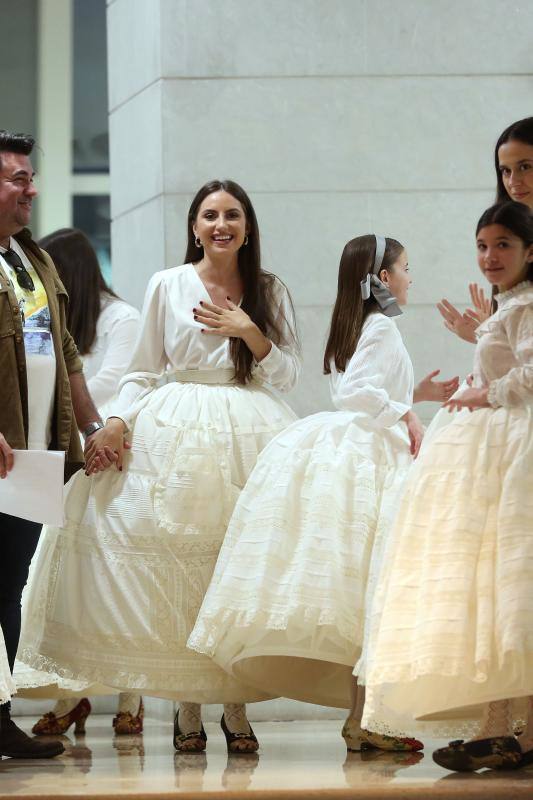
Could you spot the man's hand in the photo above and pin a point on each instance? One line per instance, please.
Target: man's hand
(415, 429)
(6, 457)
(105, 448)
(436, 391)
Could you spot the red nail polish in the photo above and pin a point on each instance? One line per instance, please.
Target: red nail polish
(201, 302)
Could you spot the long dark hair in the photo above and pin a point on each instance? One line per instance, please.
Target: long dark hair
(80, 273)
(518, 219)
(258, 295)
(521, 131)
(350, 310)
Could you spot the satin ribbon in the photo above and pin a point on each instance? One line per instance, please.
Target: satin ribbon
(372, 285)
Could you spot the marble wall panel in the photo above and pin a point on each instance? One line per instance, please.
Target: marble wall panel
(133, 48)
(344, 134)
(138, 250)
(136, 155)
(344, 37)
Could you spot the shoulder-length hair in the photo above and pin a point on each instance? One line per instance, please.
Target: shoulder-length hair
(258, 296)
(77, 265)
(520, 131)
(518, 219)
(350, 310)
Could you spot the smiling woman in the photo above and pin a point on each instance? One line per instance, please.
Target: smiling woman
(122, 608)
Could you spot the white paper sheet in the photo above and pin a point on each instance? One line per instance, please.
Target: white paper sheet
(34, 488)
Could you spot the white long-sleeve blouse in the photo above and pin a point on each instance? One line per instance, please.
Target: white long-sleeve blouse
(504, 352)
(117, 329)
(378, 380)
(171, 341)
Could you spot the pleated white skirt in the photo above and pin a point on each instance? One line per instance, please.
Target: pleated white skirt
(288, 604)
(114, 594)
(453, 623)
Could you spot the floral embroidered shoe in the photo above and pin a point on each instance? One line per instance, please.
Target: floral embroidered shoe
(126, 723)
(50, 725)
(393, 744)
(358, 740)
(495, 752)
(354, 736)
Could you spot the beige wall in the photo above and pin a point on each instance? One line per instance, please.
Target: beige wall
(340, 117)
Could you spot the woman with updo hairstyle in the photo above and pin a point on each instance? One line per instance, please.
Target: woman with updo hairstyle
(145, 524)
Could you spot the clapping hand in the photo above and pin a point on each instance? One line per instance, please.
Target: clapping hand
(436, 391)
(464, 325)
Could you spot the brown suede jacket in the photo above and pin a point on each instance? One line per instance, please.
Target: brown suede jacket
(13, 379)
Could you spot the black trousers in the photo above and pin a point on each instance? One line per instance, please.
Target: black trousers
(18, 542)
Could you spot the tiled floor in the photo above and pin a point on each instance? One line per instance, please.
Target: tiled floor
(297, 760)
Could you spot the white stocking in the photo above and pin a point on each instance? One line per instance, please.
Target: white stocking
(65, 705)
(235, 716)
(130, 702)
(496, 720)
(190, 718)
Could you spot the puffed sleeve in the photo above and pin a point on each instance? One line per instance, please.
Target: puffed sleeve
(516, 387)
(122, 331)
(281, 366)
(149, 361)
(375, 365)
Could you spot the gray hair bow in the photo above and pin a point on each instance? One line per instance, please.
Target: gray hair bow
(372, 285)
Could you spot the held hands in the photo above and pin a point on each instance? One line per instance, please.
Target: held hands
(106, 447)
(6, 457)
(471, 398)
(438, 391)
(232, 321)
(464, 325)
(415, 429)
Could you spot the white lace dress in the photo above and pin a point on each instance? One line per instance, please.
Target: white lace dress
(114, 594)
(453, 623)
(287, 606)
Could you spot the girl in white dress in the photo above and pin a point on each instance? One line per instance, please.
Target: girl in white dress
(118, 588)
(288, 603)
(105, 330)
(455, 626)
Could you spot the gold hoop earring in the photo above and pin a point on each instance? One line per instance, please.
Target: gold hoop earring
(245, 240)
(198, 243)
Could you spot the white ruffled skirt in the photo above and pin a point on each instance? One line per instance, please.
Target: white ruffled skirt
(288, 603)
(453, 623)
(114, 594)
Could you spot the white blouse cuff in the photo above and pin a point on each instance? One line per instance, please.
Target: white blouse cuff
(270, 362)
(492, 394)
(391, 414)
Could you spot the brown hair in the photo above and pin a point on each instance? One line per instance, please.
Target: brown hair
(520, 131)
(258, 295)
(77, 265)
(517, 218)
(350, 310)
